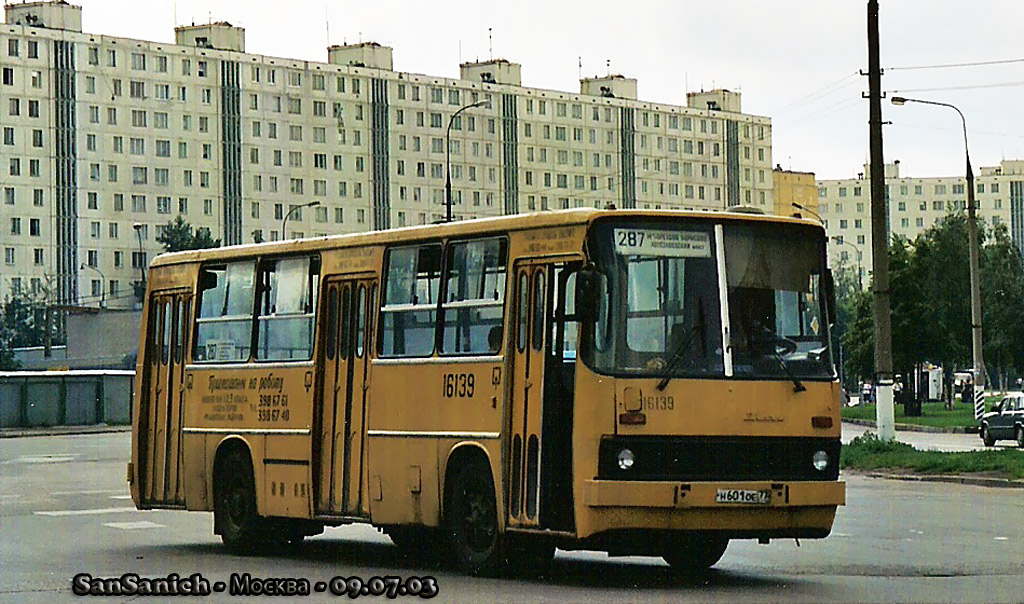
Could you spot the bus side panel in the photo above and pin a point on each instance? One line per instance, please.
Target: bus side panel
(420, 412)
(198, 496)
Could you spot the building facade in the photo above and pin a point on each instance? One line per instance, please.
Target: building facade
(108, 139)
(915, 204)
(795, 193)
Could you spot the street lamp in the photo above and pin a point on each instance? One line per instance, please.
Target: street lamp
(284, 222)
(841, 241)
(140, 291)
(972, 237)
(103, 283)
(448, 155)
(806, 209)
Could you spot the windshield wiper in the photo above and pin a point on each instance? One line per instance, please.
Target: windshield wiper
(677, 354)
(798, 386)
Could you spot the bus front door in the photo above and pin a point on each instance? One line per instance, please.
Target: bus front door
(161, 408)
(528, 351)
(341, 435)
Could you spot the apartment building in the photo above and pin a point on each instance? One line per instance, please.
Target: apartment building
(915, 204)
(107, 139)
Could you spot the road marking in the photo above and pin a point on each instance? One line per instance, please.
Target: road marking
(97, 492)
(6, 497)
(131, 526)
(1002, 538)
(43, 459)
(120, 497)
(86, 512)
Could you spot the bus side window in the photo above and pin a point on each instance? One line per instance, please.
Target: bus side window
(474, 302)
(287, 310)
(409, 299)
(224, 324)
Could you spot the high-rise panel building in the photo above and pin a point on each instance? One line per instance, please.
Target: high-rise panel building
(915, 204)
(106, 140)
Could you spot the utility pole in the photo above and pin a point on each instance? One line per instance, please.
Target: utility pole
(884, 413)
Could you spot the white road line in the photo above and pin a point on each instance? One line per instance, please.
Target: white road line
(97, 492)
(43, 459)
(131, 526)
(1002, 538)
(120, 497)
(86, 512)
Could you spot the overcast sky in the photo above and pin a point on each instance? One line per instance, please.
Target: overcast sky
(795, 61)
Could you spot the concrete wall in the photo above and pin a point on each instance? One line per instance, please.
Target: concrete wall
(65, 398)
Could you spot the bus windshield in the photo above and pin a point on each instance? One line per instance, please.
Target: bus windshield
(663, 314)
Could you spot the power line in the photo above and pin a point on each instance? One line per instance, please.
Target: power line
(965, 87)
(954, 65)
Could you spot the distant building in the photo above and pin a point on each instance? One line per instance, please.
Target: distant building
(106, 139)
(792, 189)
(915, 204)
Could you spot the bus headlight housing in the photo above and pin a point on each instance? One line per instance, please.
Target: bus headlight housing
(820, 461)
(626, 459)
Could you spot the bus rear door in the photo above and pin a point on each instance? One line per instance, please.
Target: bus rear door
(160, 410)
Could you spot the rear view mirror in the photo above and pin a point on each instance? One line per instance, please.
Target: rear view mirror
(588, 292)
(830, 296)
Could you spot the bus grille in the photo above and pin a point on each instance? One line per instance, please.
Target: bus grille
(695, 459)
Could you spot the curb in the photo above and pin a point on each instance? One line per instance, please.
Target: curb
(979, 481)
(915, 428)
(61, 431)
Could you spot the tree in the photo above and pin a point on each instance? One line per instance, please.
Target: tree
(178, 235)
(931, 304)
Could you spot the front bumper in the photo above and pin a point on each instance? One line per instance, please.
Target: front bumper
(795, 509)
(689, 495)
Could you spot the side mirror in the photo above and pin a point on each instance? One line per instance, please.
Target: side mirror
(588, 292)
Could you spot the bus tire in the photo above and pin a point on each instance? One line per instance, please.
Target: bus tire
(471, 519)
(235, 504)
(696, 553)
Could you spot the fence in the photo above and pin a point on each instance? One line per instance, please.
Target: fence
(31, 399)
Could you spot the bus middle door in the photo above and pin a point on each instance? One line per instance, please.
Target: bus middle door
(528, 351)
(342, 412)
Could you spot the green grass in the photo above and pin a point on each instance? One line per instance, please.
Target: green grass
(933, 414)
(867, 452)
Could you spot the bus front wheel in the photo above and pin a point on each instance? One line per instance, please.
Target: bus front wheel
(694, 554)
(235, 504)
(471, 519)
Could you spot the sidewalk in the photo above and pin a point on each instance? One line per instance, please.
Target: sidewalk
(61, 430)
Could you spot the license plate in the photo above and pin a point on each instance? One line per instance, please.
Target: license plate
(743, 496)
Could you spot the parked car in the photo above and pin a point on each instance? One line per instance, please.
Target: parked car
(1005, 421)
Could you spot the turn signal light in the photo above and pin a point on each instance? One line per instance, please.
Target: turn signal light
(821, 421)
(633, 419)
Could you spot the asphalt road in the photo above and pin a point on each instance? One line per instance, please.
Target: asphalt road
(64, 510)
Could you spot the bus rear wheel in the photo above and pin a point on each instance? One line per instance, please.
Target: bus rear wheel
(234, 509)
(471, 520)
(695, 554)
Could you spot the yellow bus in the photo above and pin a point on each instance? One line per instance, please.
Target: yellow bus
(636, 382)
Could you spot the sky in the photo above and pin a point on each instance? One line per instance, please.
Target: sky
(795, 61)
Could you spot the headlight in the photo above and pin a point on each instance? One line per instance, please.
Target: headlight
(820, 461)
(625, 459)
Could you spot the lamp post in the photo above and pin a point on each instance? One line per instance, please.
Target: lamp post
(841, 241)
(448, 156)
(284, 222)
(972, 238)
(140, 291)
(806, 209)
(103, 283)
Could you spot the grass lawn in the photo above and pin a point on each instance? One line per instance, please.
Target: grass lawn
(932, 414)
(868, 453)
